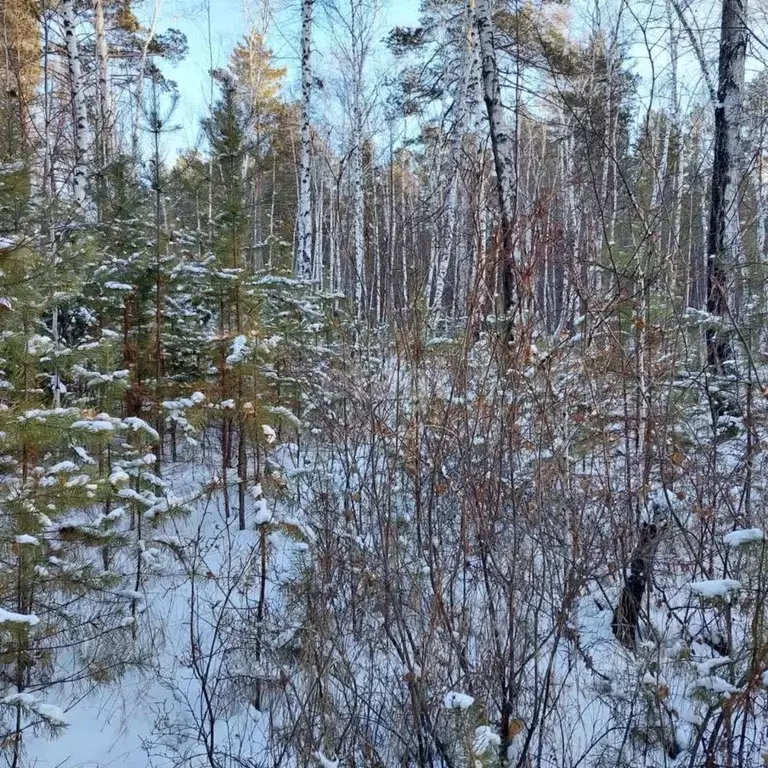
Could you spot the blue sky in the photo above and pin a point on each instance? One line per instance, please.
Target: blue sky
(228, 26)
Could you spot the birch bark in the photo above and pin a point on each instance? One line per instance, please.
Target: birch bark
(459, 129)
(501, 144)
(724, 234)
(79, 110)
(105, 86)
(304, 260)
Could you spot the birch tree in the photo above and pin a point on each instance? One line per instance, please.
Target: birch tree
(502, 145)
(79, 108)
(723, 244)
(354, 23)
(358, 205)
(104, 83)
(463, 108)
(304, 259)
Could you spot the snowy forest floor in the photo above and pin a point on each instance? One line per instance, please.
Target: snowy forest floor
(436, 539)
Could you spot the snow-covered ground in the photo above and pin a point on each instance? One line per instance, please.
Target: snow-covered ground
(396, 595)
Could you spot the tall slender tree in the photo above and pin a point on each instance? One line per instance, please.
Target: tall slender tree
(502, 144)
(304, 257)
(79, 108)
(724, 236)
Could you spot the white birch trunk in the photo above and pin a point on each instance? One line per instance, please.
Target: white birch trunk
(758, 182)
(272, 203)
(459, 127)
(358, 216)
(80, 114)
(358, 190)
(404, 259)
(760, 194)
(603, 201)
(724, 241)
(105, 86)
(318, 241)
(677, 135)
(332, 246)
(501, 139)
(304, 260)
(660, 170)
(700, 270)
(501, 143)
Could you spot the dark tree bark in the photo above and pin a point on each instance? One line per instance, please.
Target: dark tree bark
(636, 579)
(723, 239)
(501, 144)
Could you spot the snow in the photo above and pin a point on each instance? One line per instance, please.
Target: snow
(11, 167)
(25, 699)
(52, 714)
(701, 317)
(9, 617)
(83, 455)
(296, 473)
(455, 700)
(26, 538)
(286, 413)
(238, 351)
(263, 515)
(714, 587)
(94, 425)
(714, 684)
(178, 405)
(655, 680)
(138, 424)
(111, 285)
(184, 402)
(280, 280)
(736, 539)
(326, 762)
(39, 345)
(227, 273)
(63, 466)
(132, 495)
(57, 385)
(41, 415)
(704, 668)
(486, 740)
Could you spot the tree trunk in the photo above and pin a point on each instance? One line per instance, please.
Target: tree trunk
(358, 210)
(636, 580)
(724, 236)
(304, 260)
(105, 87)
(79, 110)
(501, 144)
(467, 72)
